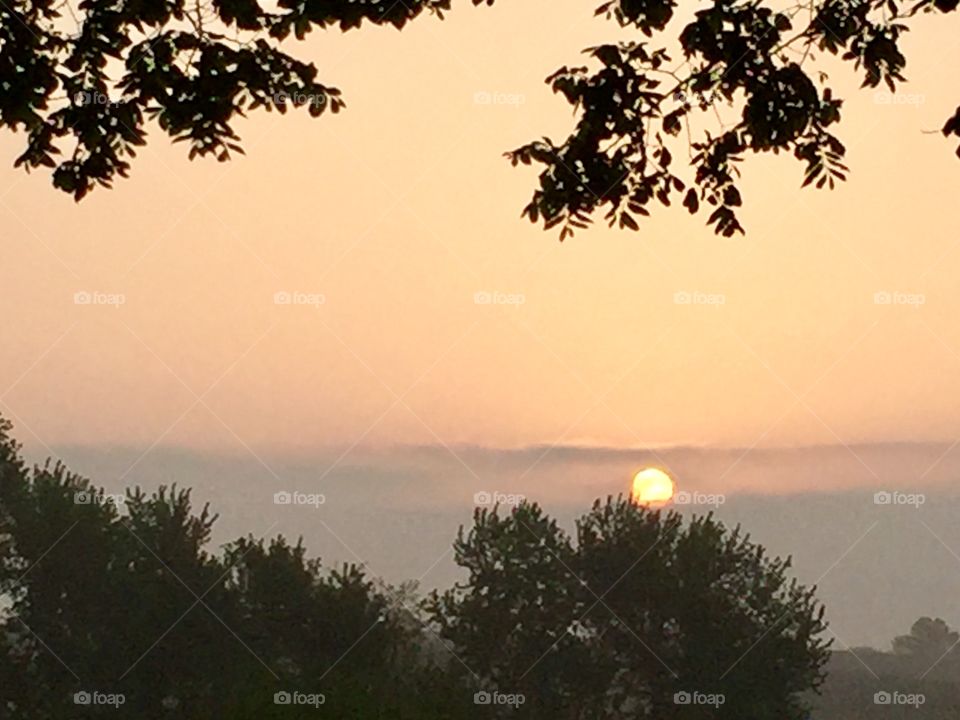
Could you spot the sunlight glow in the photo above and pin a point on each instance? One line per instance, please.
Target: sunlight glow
(653, 487)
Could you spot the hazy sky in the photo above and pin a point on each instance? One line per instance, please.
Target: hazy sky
(399, 210)
(400, 396)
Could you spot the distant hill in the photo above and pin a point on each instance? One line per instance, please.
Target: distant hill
(867, 684)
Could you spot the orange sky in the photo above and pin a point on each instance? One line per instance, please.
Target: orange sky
(400, 210)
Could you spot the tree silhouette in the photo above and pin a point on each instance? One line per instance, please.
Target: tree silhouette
(640, 615)
(920, 664)
(82, 82)
(129, 601)
(756, 61)
(125, 599)
(513, 624)
(84, 87)
(929, 640)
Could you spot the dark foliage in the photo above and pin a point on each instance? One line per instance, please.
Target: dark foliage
(643, 608)
(739, 55)
(82, 82)
(125, 599)
(130, 602)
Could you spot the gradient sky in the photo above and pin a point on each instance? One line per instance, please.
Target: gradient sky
(401, 209)
(400, 397)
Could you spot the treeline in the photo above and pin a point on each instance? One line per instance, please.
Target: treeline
(918, 678)
(120, 608)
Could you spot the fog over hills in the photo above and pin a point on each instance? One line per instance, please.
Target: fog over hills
(879, 566)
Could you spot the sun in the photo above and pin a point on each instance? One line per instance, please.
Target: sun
(652, 487)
